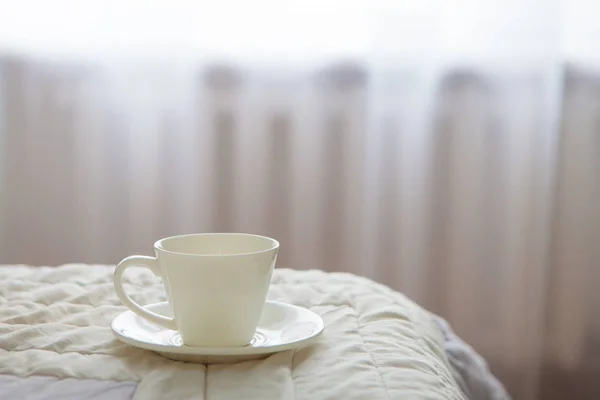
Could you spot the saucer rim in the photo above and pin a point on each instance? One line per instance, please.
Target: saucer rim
(222, 351)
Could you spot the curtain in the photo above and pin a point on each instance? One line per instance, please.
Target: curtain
(450, 150)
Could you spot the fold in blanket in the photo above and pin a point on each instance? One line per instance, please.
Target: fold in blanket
(469, 368)
(49, 387)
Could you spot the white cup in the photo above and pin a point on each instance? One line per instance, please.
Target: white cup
(216, 284)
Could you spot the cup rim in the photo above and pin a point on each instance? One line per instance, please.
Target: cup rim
(158, 245)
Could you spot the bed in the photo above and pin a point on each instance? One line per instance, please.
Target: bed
(56, 342)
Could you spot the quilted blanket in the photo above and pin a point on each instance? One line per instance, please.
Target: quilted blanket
(56, 342)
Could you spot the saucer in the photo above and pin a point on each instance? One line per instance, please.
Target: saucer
(281, 327)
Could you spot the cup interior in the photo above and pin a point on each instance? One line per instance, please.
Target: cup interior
(217, 244)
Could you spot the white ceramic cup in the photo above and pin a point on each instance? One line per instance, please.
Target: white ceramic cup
(216, 284)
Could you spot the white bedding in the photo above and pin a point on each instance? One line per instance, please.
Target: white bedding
(377, 343)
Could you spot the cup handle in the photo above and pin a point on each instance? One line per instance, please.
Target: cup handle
(152, 265)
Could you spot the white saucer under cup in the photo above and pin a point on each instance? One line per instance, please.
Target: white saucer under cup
(281, 327)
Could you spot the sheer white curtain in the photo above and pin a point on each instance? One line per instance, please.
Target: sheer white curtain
(448, 149)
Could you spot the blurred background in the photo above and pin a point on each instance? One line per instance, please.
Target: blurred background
(448, 149)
